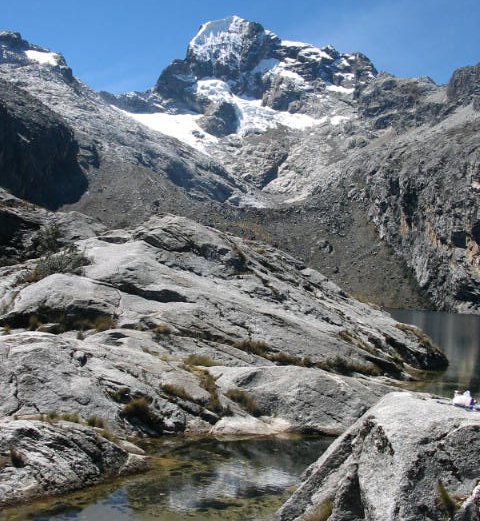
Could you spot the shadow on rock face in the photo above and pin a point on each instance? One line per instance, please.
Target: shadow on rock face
(39, 152)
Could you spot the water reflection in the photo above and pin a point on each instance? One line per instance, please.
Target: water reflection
(459, 337)
(197, 480)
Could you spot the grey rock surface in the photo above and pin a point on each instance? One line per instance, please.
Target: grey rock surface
(123, 332)
(311, 398)
(38, 459)
(410, 457)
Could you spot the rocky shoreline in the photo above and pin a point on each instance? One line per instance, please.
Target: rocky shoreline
(40, 459)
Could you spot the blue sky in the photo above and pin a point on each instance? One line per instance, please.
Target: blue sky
(121, 45)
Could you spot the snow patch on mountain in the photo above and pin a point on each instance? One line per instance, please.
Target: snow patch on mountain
(183, 127)
(257, 118)
(43, 57)
(336, 120)
(265, 65)
(340, 89)
(213, 89)
(254, 117)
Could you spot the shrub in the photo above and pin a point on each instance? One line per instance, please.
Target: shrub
(70, 260)
(47, 239)
(244, 400)
(199, 360)
(96, 421)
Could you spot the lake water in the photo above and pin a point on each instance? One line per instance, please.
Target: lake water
(195, 480)
(459, 338)
(244, 480)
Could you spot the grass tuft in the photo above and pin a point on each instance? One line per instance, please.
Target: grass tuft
(71, 417)
(96, 421)
(255, 347)
(199, 360)
(176, 390)
(244, 400)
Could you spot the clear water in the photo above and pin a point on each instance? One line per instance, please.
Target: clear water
(196, 480)
(459, 338)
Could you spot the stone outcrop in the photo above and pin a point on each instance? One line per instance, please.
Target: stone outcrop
(464, 86)
(39, 459)
(171, 326)
(27, 230)
(409, 457)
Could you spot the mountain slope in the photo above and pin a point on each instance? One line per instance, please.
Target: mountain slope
(310, 147)
(111, 145)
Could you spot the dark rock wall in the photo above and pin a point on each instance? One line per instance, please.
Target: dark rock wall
(38, 154)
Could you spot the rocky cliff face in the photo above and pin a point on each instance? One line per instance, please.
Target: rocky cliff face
(39, 153)
(409, 457)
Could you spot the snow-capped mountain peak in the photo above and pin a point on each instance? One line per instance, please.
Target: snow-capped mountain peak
(240, 79)
(227, 47)
(219, 40)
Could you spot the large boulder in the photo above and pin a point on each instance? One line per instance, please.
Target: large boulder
(410, 457)
(39, 459)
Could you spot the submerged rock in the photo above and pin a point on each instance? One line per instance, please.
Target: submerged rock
(409, 457)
